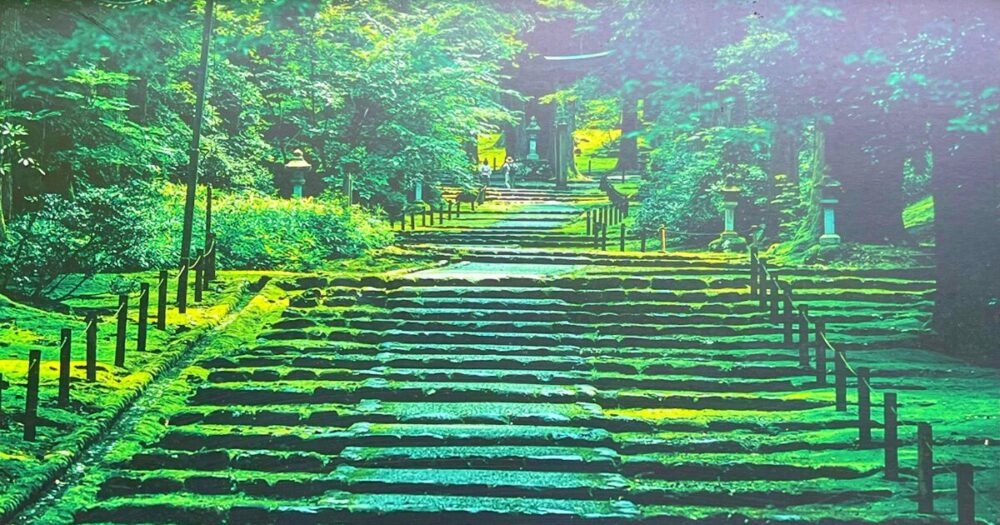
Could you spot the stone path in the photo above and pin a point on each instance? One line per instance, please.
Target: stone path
(552, 385)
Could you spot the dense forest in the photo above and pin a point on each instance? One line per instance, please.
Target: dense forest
(891, 103)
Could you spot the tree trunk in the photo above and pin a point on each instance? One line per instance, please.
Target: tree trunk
(966, 222)
(628, 152)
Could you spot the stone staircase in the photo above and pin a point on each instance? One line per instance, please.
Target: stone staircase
(532, 386)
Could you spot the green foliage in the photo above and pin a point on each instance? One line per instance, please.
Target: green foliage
(257, 231)
(100, 230)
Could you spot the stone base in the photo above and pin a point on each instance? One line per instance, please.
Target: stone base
(728, 242)
(830, 239)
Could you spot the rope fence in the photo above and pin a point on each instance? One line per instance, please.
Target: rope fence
(769, 291)
(204, 267)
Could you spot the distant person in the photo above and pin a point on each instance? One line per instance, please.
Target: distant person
(508, 172)
(485, 172)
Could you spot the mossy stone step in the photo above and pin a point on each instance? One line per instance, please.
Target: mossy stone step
(546, 459)
(602, 380)
(324, 440)
(508, 362)
(351, 392)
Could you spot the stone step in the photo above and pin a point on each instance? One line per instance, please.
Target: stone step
(562, 363)
(605, 380)
(355, 391)
(345, 508)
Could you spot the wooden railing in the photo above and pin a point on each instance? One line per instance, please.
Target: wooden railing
(777, 297)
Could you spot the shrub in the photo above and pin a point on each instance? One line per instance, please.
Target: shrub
(258, 232)
(98, 230)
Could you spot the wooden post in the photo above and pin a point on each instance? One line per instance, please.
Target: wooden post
(140, 340)
(588, 222)
(31, 396)
(161, 301)
(663, 239)
(840, 373)
(787, 315)
(762, 286)
(621, 237)
(753, 272)
(423, 217)
(211, 253)
(65, 349)
(890, 416)
(91, 352)
(199, 275)
(458, 208)
(925, 469)
(441, 215)
(803, 335)
(122, 330)
(775, 300)
(604, 236)
(449, 210)
(474, 201)
(864, 406)
(182, 278)
(820, 334)
(413, 221)
(642, 241)
(966, 494)
(3, 417)
(209, 273)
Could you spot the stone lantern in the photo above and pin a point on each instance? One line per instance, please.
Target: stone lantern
(730, 200)
(533, 129)
(829, 196)
(297, 169)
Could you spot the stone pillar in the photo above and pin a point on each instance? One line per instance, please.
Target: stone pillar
(829, 197)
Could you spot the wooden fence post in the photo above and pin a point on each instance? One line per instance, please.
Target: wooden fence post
(199, 275)
(182, 278)
(65, 349)
(31, 396)
(925, 468)
(122, 330)
(966, 494)
(621, 237)
(211, 253)
(604, 237)
(449, 210)
(161, 301)
(642, 241)
(663, 239)
(803, 335)
(753, 272)
(588, 223)
(820, 335)
(775, 300)
(441, 215)
(140, 340)
(890, 416)
(864, 406)
(91, 352)
(787, 315)
(840, 373)
(762, 287)
(3, 417)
